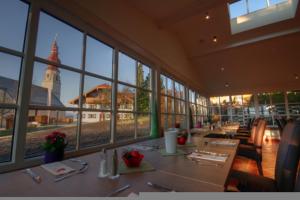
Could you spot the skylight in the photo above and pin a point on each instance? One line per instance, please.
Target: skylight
(244, 7)
(249, 14)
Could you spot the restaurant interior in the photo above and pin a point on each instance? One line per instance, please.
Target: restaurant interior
(129, 98)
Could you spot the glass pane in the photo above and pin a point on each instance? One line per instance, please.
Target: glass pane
(182, 93)
(170, 88)
(127, 69)
(95, 128)
(182, 107)
(225, 100)
(237, 9)
(177, 90)
(44, 122)
(192, 96)
(143, 76)
(125, 98)
(7, 120)
(255, 5)
(125, 126)
(263, 98)
(180, 121)
(163, 85)
(99, 57)
(237, 100)
(214, 101)
(13, 18)
(277, 97)
(163, 121)
(170, 121)
(177, 106)
(293, 97)
(59, 42)
(143, 99)
(273, 2)
(9, 78)
(170, 105)
(143, 125)
(248, 99)
(163, 104)
(52, 86)
(97, 93)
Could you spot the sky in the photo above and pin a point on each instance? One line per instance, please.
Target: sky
(239, 8)
(70, 46)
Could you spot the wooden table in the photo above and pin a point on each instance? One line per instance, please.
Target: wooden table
(175, 172)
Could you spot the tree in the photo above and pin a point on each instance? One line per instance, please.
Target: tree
(143, 97)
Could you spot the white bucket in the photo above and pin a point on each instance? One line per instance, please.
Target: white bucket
(171, 141)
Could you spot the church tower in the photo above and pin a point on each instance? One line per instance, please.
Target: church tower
(52, 75)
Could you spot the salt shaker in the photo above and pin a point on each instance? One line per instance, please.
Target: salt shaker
(103, 164)
(114, 166)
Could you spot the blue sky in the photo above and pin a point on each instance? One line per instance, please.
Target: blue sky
(13, 15)
(239, 8)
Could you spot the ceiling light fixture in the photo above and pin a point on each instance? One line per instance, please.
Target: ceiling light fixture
(227, 85)
(296, 76)
(222, 69)
(215, 39)
(207, 17)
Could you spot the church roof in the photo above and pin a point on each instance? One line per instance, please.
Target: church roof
(39, 95)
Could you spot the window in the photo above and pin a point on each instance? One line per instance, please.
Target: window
(238, 8)
(249, 14)
(254, 5)
(13, 19)
(244, 7)
(173, 108)
(99, 58)
(62, 38)
(133, 99)
(294, 104)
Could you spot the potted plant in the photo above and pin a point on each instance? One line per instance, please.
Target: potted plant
(54, 147)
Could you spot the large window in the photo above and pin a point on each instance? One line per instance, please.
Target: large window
(65, 92)
(294, 104)
(133, 99)
(173, 108)
(13, 19)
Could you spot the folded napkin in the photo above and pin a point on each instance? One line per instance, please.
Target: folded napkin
(206, 156)
(141, 147)
(57, 168)
(224, 142)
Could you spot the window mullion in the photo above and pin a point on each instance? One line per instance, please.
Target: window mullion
(19, 142)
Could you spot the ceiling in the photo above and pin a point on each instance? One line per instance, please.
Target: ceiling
(260, 60)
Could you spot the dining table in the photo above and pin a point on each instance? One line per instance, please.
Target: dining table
(176, 172)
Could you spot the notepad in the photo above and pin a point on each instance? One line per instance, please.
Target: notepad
(57, 168)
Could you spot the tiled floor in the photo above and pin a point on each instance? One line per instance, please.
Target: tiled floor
(269, 149)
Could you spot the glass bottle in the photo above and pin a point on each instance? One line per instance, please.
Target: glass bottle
(114, 167)
(103, 164)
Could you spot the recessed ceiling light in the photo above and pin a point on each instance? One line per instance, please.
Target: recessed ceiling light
(296, 76)
(207, 17)
(227, 85)
(222, 69)
(215, 39)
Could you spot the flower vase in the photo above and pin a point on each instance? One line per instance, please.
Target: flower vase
(54, 156)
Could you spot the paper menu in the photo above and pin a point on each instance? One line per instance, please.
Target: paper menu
(57, 168)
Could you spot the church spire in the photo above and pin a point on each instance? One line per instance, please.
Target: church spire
(53, 57)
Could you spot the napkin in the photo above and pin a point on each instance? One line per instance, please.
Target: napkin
(224, 142)
(212, 157)
(57, 168)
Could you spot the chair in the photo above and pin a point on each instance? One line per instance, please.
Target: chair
(248, 138)
(246, 129)
(286, 166)
(253, 150)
